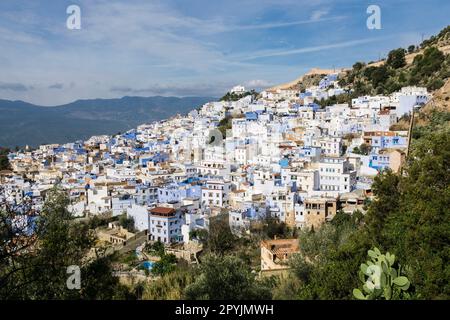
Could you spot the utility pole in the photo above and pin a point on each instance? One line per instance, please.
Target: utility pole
(411, 124)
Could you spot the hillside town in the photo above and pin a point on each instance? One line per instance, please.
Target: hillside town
(275, 154)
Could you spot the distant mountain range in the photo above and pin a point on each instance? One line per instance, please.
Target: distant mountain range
(23, 123)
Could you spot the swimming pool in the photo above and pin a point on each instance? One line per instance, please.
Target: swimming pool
(148, 265)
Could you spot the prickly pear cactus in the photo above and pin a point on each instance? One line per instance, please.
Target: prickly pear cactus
(380, 278)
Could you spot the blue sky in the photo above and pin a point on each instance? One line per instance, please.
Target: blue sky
(192, 47)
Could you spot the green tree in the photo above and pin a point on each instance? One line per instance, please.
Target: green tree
(358, 66)
(224, 125)
(226, 277)
(199, 234)
(127, 223)
(363, 149)
(379, 76)
(326, 256)
(274, 228)
(165, 265)
(220, 238)
(170, 286)
(4, 161)
(419, 230)
(430, 62)
(396, 58)
(386, 187)
(157, 248)
(36, 268)
(382, 277)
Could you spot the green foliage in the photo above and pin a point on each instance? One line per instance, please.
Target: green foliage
(167, 262)
(411, 48)
(325, 258)
(199, 234)
(358, 66)
(437, 121)
(409, 216)
(378, 76)
(287, 288)
(235, 97)
(444, 35)
(386, 188)
(220, 238)
(363, 149)
(226, 277)
(274, 228)
(127, 223)
(36, 268)
(381, 279)
(99, 221)
(342, 98)
(4, 162)
(170, 286)
(128, 258)
(418, 231)
(165, 265)
(426, 65)
(99, 284)
(396, 58)
(224, 125)
(429, 69)
(157, 248)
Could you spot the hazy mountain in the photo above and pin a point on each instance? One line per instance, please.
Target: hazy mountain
(23, 123)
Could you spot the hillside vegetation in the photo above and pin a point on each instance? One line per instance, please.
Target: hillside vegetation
(430, 68)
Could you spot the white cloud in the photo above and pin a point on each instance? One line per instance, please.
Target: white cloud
(318, 14)
(149, 47)
(275, 53)
(258, 84)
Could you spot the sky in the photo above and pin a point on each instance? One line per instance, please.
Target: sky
(192, 47)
